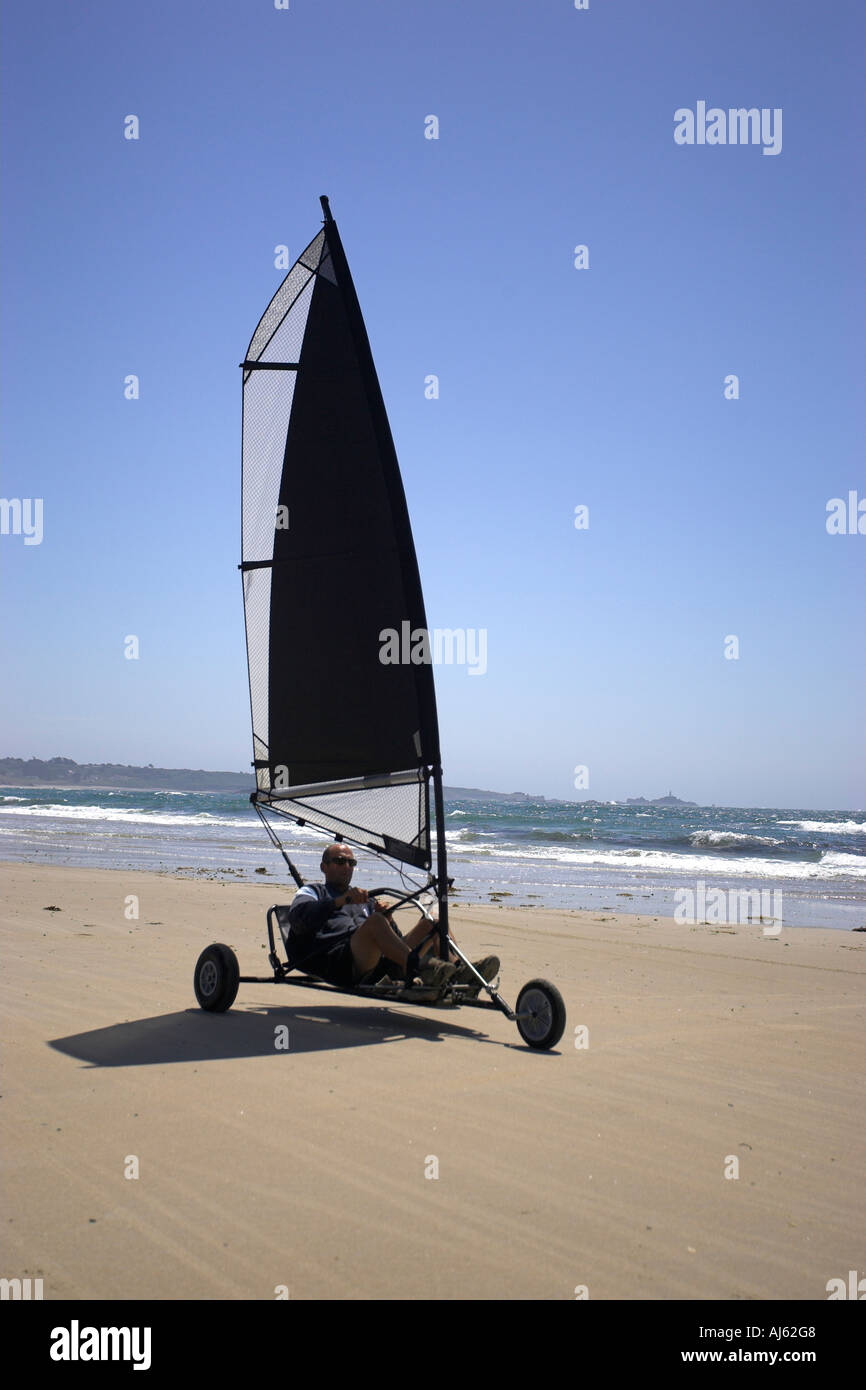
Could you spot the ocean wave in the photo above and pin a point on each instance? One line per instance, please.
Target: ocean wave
(557, 837)
(831, 865)
(828, 827)
(620, 840)
(836, 859)
(730, 839)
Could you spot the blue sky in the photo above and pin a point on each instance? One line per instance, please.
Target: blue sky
(558, 386)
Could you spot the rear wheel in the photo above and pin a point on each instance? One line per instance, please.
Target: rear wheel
(540, 1014)
(216, 978)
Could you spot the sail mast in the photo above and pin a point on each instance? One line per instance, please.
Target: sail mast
(388, 454)
(441, 860)
(353, 309)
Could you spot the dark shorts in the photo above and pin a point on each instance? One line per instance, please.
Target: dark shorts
(337, 966)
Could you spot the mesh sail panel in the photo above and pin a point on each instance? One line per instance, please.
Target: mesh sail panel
(341, 738)
(394, 818)
(283, 300)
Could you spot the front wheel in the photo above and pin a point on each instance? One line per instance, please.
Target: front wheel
(216, 978)
(540, 1014)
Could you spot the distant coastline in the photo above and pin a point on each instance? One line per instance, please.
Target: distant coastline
(669, 800)
(64, 773)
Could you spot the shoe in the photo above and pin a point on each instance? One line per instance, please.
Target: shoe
(488, 969)
(377, 974)
(374, 979)
(429, 969)
(387, 985)
(436, 972)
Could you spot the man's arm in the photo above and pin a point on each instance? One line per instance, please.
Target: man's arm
(309, 913)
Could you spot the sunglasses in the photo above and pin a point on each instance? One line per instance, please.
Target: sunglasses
(342, 859)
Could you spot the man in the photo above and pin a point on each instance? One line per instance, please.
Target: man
(342, 935)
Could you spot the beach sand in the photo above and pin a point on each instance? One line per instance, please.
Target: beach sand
(601, 1167)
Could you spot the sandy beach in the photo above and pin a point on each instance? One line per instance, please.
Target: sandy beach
(600, 1167)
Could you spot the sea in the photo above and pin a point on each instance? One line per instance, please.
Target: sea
(718, 864)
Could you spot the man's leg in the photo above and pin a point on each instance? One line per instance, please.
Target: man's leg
(375, 938)
(421, 929)
(488, 967)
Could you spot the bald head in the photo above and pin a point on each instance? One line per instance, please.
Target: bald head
(338, 865)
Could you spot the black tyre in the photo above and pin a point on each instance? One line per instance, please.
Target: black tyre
(540, 1014)
(216, 979)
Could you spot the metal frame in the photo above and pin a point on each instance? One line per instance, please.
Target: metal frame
(453, 996)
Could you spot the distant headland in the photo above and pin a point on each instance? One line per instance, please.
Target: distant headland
(475, 794)
(669, 800)
(64, 772)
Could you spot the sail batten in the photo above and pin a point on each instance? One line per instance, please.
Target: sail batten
(342, 738)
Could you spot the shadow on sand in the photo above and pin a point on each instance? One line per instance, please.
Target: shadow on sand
(196, 1036)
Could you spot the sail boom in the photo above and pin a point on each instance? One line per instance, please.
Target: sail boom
(349, 784)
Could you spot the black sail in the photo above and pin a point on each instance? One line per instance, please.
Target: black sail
(342, 739)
